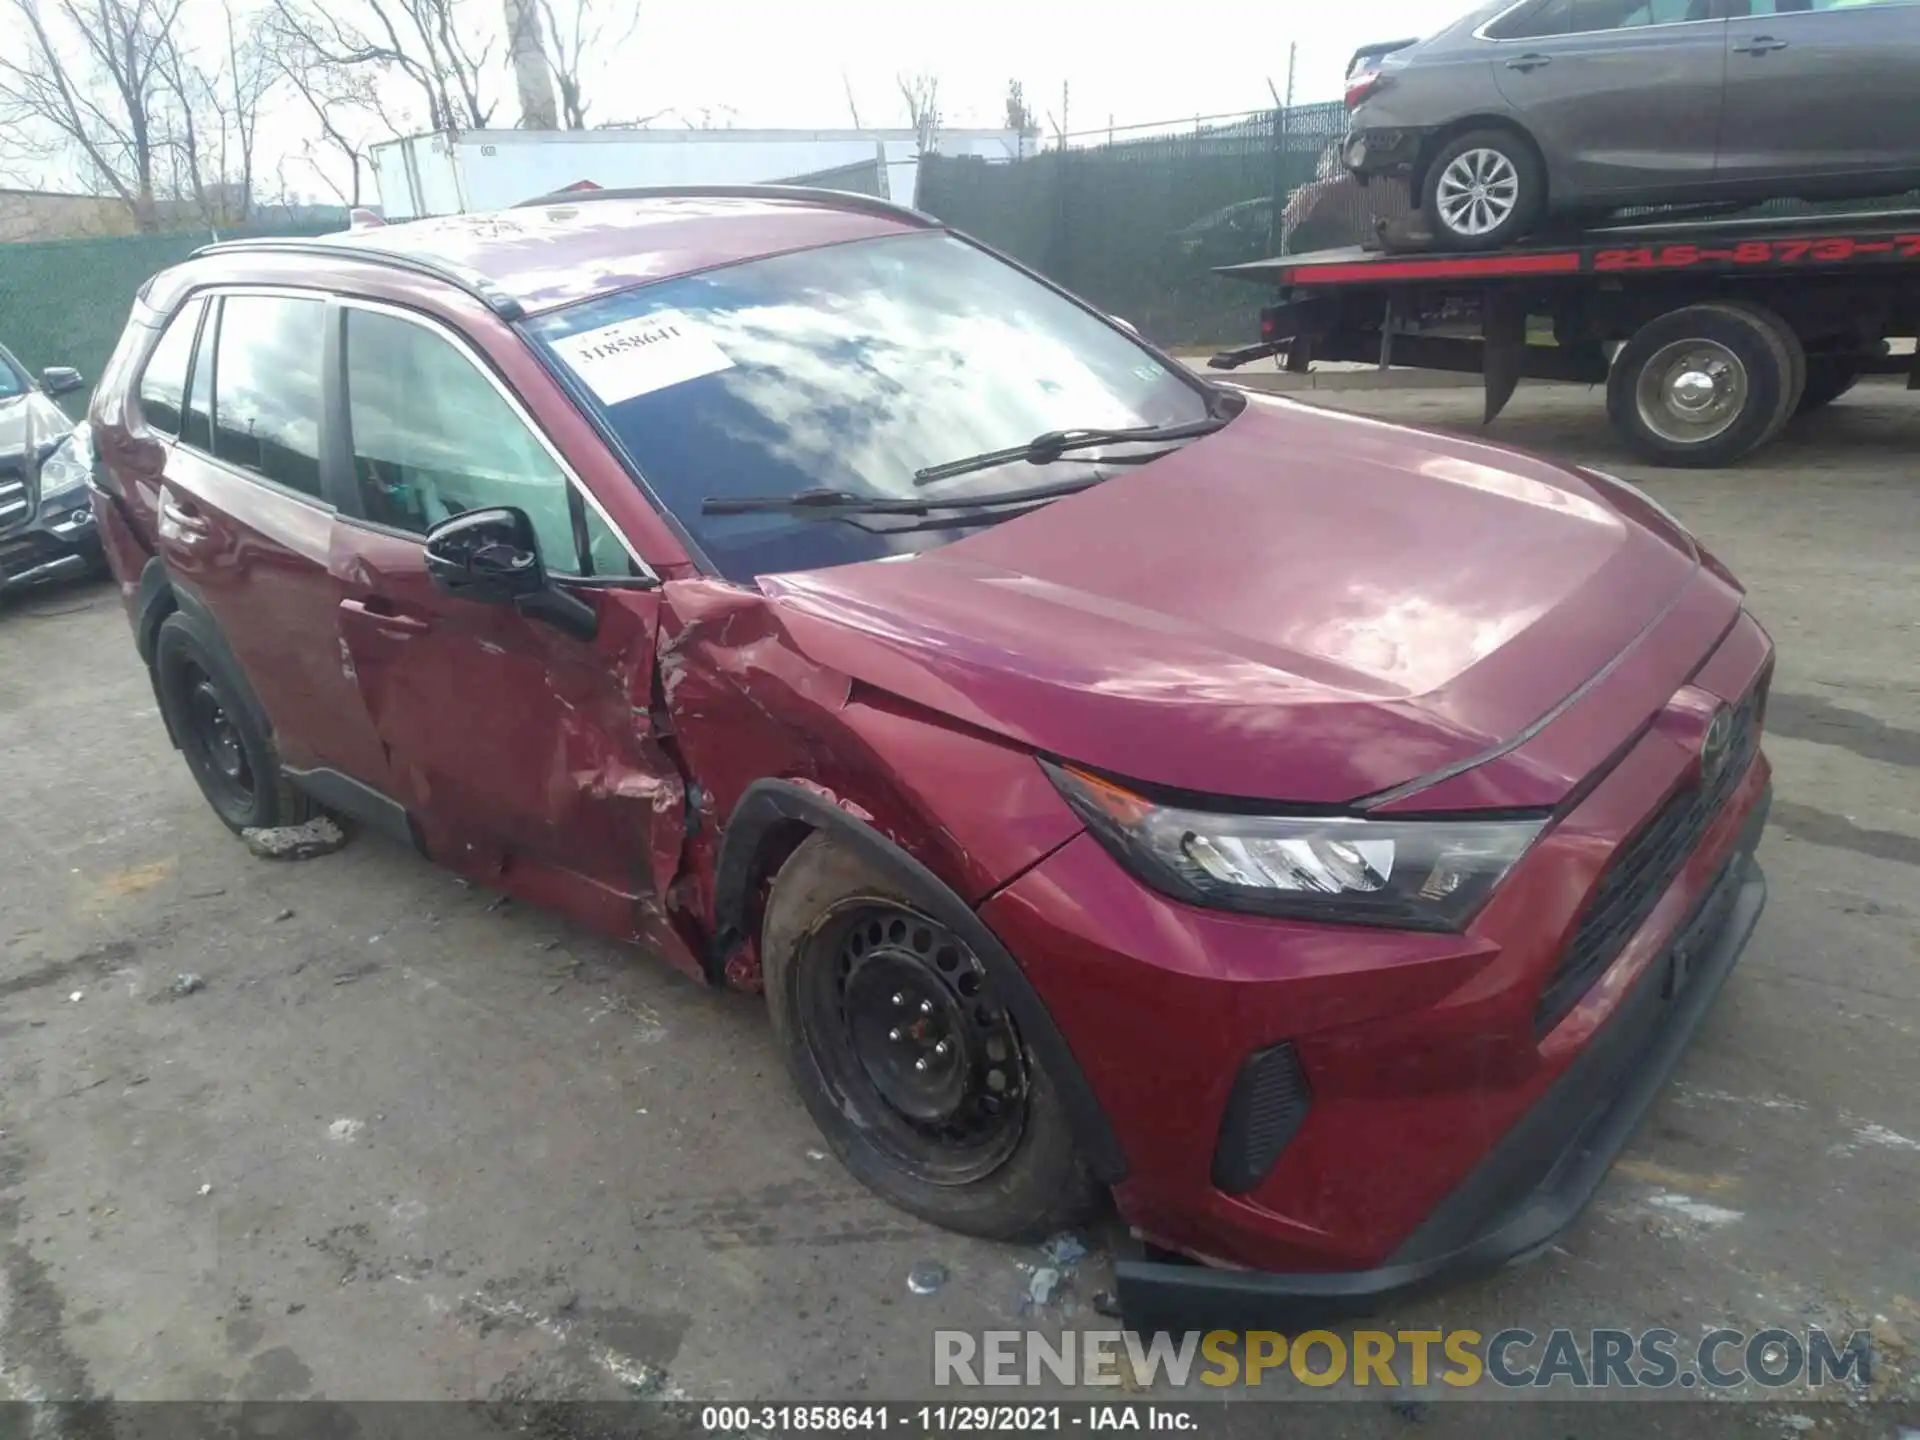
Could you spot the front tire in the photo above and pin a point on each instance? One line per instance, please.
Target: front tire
(1484, 189)
(915, 1074)
(231, 755)
(1703, 385)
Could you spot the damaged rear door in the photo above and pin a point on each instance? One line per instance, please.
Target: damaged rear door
(527, 754)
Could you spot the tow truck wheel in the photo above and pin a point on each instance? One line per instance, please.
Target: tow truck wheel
(1703, 385)
(1484, 189)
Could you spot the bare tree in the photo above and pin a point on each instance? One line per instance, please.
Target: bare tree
(1020, 116)
(853, 106)
(88, 75)
(430, 43)
(922, 94)
(532, 71)
(214, 121)
(574, 30)
(343, 101)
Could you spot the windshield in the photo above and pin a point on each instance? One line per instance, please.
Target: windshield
(13, 380)
(849, 368)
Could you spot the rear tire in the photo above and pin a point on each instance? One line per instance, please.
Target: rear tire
(1703, 385)
(209, 714)
(862, 986)
(1484, 189)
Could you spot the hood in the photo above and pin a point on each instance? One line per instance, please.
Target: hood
(29, 423)
(1304, 607)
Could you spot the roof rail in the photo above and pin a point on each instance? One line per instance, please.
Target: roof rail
(830, 199)
(472, 281)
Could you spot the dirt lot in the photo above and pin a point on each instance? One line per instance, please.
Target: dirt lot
(411, 1142)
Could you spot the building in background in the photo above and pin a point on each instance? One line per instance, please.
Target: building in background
(493, 169)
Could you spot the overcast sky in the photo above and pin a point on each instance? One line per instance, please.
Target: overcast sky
(779, 62)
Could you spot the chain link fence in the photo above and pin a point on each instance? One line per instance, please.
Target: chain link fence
(1137, 225)
(64, 302)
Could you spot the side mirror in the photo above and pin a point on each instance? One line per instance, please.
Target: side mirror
(60, 380)
(486, 555)
(492, 556)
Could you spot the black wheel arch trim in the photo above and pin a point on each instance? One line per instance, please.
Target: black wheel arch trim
(770, 805)
(153, 601)
(188, 602)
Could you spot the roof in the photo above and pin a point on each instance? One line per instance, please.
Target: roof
(543, 256)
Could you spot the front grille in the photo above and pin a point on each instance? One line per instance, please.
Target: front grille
(20, 553)
(16, 504)
(1268, 1102)
(1645, 867)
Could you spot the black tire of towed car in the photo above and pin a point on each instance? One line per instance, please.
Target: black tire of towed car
(1042, 1186)
(1766, 346)
(1528, 209)
(180, 649)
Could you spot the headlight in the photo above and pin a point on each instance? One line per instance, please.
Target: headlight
(1408, 874)
(65, 470)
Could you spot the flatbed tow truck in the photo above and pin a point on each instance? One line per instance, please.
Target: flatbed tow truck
(1709, 336)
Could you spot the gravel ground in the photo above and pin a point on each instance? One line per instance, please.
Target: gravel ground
(406, 1141)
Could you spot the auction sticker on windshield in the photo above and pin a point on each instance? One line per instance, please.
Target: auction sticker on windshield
(637, 357)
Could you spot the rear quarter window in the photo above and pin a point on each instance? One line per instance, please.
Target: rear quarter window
(163, 383)
(1535, 21)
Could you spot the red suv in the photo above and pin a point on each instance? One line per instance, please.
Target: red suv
(1321, 834)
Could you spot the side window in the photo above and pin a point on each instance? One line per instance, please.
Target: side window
(1632, 14)
(1761, 8)
(604, 550)
(197, 428)
(1548, 18)
(432, 438)
(266, 402)
(163, 384)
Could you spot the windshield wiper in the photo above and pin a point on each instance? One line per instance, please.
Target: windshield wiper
(826, 501)
(1058, 444)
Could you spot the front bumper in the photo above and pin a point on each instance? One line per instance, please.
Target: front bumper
(1420, 1054)
(56, 544)
(1536, 1181)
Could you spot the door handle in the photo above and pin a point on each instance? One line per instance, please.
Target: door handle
(1760, 45)
(1529, 62)
(182, 517)
(384, 618)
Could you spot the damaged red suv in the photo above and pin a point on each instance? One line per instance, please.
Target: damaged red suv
(1320, 834)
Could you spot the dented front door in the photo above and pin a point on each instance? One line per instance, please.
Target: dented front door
(526, 754)
(520, 750)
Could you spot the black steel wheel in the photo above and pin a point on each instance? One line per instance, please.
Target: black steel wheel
(213, 744)
(894, 1013)
(912, 1068)
(210, 717)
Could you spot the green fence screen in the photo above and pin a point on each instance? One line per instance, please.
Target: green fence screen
(64, 302)
(1137, 226)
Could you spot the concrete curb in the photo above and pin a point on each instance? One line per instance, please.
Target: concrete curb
(1281, 381)
(1326, 375)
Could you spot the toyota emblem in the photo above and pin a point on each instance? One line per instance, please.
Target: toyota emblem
(1715, 745)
